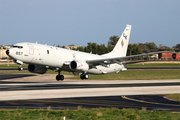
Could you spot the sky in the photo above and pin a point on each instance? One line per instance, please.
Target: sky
(66, 22)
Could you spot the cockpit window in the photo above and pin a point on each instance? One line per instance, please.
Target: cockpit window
(20, 46)
(14, 46)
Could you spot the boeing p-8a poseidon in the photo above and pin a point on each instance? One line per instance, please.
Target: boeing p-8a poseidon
(43, 57)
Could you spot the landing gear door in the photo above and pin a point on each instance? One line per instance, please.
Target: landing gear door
(31, 49)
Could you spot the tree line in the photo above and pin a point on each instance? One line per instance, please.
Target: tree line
(133, 49)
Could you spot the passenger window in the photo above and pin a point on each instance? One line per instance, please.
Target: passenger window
(47, 51)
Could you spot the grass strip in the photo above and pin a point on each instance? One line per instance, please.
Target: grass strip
(12, 65)
(154, 65)
(26, 71)
(175, 97)
(86, 114)
(137, 75)
(125, 75)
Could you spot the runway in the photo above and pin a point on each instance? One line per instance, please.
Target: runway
(31, 91)
(148, 102)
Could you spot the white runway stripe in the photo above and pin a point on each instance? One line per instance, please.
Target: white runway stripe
(86, 92)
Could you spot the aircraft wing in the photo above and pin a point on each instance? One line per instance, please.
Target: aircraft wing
(120, 60)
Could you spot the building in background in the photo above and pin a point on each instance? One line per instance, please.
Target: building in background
(3, 52)
(168, 56)
(71, 47)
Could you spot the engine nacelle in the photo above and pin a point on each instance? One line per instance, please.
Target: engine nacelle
(37, 69)
(79, 65)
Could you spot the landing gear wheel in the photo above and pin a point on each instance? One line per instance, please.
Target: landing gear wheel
(84, 76)
(60, 77)
(57, 77)
(20, 68)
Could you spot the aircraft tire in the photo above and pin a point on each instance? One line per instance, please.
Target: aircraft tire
(57, 77)
(86, 76)
(20, 68)
(82, 77)
(61, 77)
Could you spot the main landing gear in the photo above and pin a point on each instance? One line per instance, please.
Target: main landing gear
(59, 76)
(84, 76)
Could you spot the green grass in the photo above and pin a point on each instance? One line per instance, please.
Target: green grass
(12, 65)
(137, 75)
(175, 97)
(26, 71)
(14, 71)
(125, 75)
(85, 114)
(154, 65)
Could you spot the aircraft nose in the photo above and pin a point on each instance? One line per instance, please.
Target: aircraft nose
(7, 52)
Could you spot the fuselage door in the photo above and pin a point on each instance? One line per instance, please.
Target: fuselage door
(31, 49)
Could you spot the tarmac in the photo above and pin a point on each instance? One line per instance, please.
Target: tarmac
(45, 87)
(33, 91)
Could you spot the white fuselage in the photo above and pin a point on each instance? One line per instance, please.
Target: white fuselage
(55, 57)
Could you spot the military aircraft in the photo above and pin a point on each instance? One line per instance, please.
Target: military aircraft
(43, 57)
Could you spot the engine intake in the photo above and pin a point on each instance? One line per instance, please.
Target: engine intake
(79, 65)
(37, 69)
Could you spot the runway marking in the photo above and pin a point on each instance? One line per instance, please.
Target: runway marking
(147, 101)
(87, 92)
(7, 97)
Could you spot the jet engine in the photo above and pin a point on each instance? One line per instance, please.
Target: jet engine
(37, 69)
(79, 65)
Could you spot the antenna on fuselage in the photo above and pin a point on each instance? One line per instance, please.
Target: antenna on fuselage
(36, 42)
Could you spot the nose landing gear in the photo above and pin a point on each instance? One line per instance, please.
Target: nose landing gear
(20, 68)
(20, 63)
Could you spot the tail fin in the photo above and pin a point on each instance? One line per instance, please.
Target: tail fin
(120, 48)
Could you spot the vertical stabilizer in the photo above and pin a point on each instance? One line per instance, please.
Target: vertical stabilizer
(120, 48)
